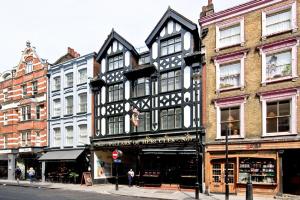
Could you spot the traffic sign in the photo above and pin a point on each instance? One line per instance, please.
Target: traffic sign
(115, 154)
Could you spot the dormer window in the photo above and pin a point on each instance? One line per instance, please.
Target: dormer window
(28, 67)
(170, 46)
(115, 62)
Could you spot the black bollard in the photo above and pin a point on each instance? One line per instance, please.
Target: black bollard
(249, 189)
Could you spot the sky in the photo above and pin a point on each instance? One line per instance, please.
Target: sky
(53, 25)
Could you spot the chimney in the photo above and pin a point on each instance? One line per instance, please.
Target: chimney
(73, 53)
(208, 9)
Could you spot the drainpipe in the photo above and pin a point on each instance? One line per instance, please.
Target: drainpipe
(48, 123)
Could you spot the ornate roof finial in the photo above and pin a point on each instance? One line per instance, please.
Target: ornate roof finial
(28, 43)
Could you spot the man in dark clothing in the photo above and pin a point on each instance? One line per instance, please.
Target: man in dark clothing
(18, 173)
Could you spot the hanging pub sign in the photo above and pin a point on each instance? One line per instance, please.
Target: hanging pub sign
(135, 117)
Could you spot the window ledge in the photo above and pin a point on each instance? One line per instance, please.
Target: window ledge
(276, 80)
(230, 46)
(81, 84)
(68, 115)
(57, 90)
(69, 87)
(264, 37)
(55, 117)
(278, 134)
(81, 113)
(230, 137)
(230, 88)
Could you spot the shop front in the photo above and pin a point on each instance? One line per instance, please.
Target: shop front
(273, 167)
(65, 166)
(154, 162)
(243, 160)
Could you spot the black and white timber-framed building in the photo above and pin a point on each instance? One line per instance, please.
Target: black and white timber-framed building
(158, 84)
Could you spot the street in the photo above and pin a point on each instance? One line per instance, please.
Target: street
(28, 193)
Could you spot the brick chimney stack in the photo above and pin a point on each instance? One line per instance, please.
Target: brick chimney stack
(73, 53)
(208, 9)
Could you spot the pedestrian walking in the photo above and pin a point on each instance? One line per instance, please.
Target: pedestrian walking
(31, 173)
(18, 174)
(130, 177)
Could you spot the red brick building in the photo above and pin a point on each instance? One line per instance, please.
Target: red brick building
(23, 114)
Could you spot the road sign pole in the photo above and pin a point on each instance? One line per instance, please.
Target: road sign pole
(117, 177)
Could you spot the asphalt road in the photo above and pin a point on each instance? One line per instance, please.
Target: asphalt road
(28, 193)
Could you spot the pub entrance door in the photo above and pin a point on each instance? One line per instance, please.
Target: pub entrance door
(218, 176)
(169, 169)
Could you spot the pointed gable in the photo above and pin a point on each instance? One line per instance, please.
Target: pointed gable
(109, 43)
(178, 18)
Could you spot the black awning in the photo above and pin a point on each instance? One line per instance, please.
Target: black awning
(141, 71)
(61, 155)
(169, 151)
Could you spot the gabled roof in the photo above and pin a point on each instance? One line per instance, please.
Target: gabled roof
(170, 13)
(114, 35)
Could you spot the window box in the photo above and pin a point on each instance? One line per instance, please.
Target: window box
(230, 33)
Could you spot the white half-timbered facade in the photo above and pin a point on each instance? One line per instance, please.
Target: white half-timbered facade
(144, 103)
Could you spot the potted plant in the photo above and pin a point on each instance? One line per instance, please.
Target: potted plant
(74, 176)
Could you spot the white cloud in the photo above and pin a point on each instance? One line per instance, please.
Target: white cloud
(53, 25)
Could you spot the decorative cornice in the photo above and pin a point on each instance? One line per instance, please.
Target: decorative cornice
(236, 11)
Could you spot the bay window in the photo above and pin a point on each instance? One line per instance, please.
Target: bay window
(115, 92)
(171, 81)
(115, 125)
(171, 118)
(141, 87)
(144, 122)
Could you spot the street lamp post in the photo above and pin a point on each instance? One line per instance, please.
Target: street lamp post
(226, 163)
(198, 187)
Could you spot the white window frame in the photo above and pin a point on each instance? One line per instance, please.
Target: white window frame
(68, 106)
(81, 104)
(55, 143)
(294, 27)
(83, 138)
(69, 137)
(80, 79)
(227, 104)
(226, 24)
(230, 59)
(29, 67)
(290, 95)
(67, 81)
(277, 49)
(55, 85)
(56, 107)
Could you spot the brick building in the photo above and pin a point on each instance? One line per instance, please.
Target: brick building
(252, 94)
(23, 114)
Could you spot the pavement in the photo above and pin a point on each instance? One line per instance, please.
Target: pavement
(141, 192)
